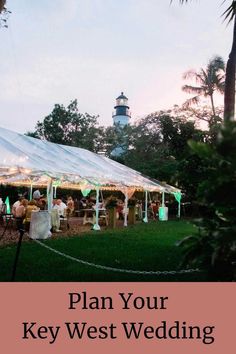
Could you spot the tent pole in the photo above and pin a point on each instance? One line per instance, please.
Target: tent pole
(55, 192)
(102, 197)
(49, 194)
(96, 225)
(126, 209)
(31, 191)
(146, 206)
(163, 199)
(179, 206)
(162, 210)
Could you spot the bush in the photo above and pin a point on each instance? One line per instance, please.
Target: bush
(214, 246)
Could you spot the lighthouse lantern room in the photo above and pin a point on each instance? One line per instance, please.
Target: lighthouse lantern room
(121, 115)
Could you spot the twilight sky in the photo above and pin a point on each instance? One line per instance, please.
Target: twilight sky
(56, 51)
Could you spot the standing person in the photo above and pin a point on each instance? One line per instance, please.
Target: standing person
(38, 198)
(37, 195)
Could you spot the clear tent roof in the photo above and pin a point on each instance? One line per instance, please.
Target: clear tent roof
(25, 160)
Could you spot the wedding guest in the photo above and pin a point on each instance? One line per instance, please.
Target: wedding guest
(70, 206)
(16, 204)
(30, 207)
(20, 213)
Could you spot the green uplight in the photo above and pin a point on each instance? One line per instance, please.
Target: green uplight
(7, 202)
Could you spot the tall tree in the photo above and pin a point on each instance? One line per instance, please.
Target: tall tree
(65, 125)
(229, 95)
(209, 81)
(229, 100)
(158, 143)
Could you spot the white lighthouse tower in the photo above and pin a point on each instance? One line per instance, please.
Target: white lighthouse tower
(122, 115)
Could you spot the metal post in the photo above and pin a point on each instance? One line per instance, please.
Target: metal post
(145, 219)
(96, 226)
(126, 209)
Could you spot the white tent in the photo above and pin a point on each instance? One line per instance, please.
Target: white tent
(32, 162)
(26, 160)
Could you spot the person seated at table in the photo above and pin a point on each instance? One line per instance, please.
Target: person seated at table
(91, 203)
(89, 208)
(61, 208)
(81, 206)
(41, 204)
(70, 206)
(16, 204)
(20, 213)
(82, 203)
(30, 207)
(54, 203)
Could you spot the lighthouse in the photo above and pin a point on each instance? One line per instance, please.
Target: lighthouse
(121, 115)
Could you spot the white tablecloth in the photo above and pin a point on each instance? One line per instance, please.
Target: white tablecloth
(40, 225)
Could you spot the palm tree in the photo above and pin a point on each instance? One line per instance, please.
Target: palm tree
(229, 93)
(208, 81)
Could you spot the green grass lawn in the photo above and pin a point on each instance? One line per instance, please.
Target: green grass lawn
(139, 247)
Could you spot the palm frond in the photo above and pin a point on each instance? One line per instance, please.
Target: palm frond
(193, 89)
(230, 12)
(191, 101)
(192, 74)
(217, 63)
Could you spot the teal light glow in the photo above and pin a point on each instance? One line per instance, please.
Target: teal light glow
(7, 202)
(161, 213)
(177, 196)
(85, 192)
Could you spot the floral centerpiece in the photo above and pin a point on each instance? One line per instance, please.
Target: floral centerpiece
(132, 202)
(111, 202)
(132, 210)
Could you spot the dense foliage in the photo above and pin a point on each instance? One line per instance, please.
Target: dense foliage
(156, 145)
(65, 125)
(214, 247)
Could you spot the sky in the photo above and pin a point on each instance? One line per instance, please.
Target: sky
(56, 51)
